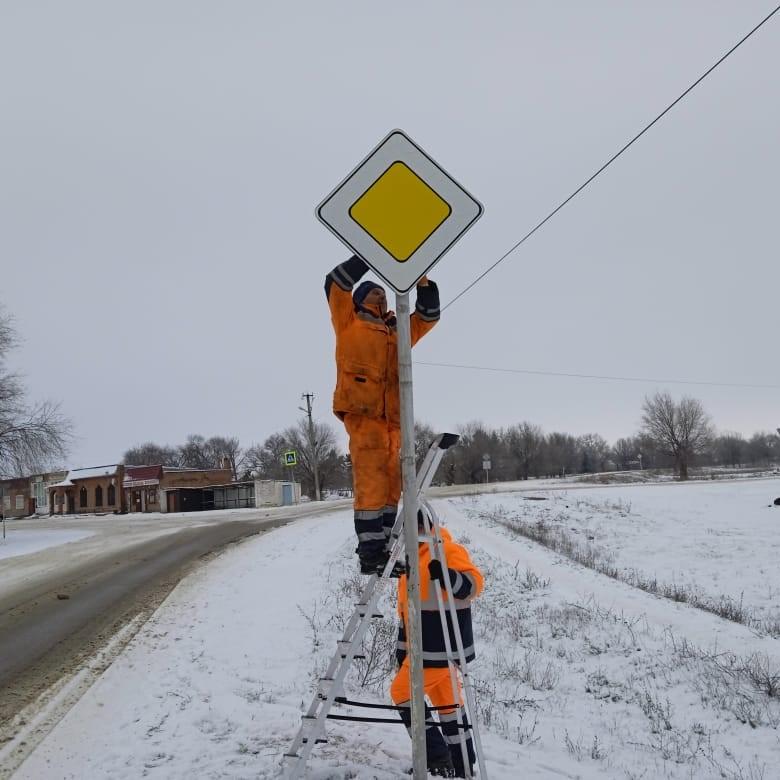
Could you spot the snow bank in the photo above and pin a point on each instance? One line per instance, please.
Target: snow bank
(19, 542)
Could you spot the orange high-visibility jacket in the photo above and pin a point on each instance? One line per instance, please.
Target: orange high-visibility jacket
(367, 346)
(467, 583)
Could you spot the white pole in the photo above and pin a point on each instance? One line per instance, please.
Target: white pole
(413, 624)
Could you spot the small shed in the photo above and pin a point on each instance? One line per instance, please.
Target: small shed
(273, 492)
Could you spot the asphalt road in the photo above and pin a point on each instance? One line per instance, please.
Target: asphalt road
(60, 606)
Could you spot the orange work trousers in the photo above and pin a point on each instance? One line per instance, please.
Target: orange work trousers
(448, 736)
(374, 448)
(436, 683)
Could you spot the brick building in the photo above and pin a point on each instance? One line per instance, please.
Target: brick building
(15, 497)
(175, 480)
(95, 490)
(157, 488)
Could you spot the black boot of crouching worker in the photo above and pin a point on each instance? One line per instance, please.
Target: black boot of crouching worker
(441, 767)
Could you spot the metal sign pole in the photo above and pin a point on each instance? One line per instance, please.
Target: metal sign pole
(413, 625)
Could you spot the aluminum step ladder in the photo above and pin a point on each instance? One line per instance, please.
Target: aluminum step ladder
(330, 686)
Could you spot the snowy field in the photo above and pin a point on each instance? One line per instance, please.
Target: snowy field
(578, 674)
(718, 541)
(23, 542)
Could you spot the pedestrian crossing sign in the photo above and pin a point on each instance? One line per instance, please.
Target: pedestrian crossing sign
(400, 211)
(291, 458)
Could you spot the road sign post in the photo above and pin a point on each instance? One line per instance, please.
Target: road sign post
(290, 459)
(486, 466)
(408, 477)
(401, 212)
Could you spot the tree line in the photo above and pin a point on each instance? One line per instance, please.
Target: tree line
(258, 461)
(674, 434)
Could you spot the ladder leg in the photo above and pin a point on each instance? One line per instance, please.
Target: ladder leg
(437, 550)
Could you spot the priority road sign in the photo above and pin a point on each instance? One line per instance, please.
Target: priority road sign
(400, 211)
(291, 458)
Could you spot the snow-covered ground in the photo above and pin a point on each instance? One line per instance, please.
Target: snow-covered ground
(24, 542)
(717, 539)
(578, 675)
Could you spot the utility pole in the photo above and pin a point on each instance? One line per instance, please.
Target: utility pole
(314, 464)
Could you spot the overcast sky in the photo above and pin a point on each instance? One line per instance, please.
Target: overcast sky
(160, 163)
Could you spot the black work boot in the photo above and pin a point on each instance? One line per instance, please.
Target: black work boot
(457, 759)
(394, 573)
(441, 767)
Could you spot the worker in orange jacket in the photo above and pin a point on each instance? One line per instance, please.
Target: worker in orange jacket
(367, 396)
(443, 747)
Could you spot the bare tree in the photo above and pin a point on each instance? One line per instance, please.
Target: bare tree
(594, 453)
(423, 436)
(315, 444)
(266, 460)
(475, 442)
(560, 454)
(151, 454)
(221, 449)
(525, 442)
(730, 449)
(625, 452)
(682, 429)
(192, 454)
(763, 448)
(32, 436)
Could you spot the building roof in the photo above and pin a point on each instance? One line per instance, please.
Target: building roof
(182, 469)
(64, 483)
(133, 473)
(94, 471)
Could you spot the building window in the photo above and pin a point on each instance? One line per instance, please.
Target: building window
(83, 497)
(99, 495)
(19, 501)
(6, 502)
(111, 495)
(151, 496)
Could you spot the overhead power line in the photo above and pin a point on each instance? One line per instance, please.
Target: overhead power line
(613, 158)
(571, 375)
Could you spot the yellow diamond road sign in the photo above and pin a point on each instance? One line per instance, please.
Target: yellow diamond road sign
(399, 211)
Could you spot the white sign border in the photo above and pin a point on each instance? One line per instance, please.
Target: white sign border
(333, 212)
